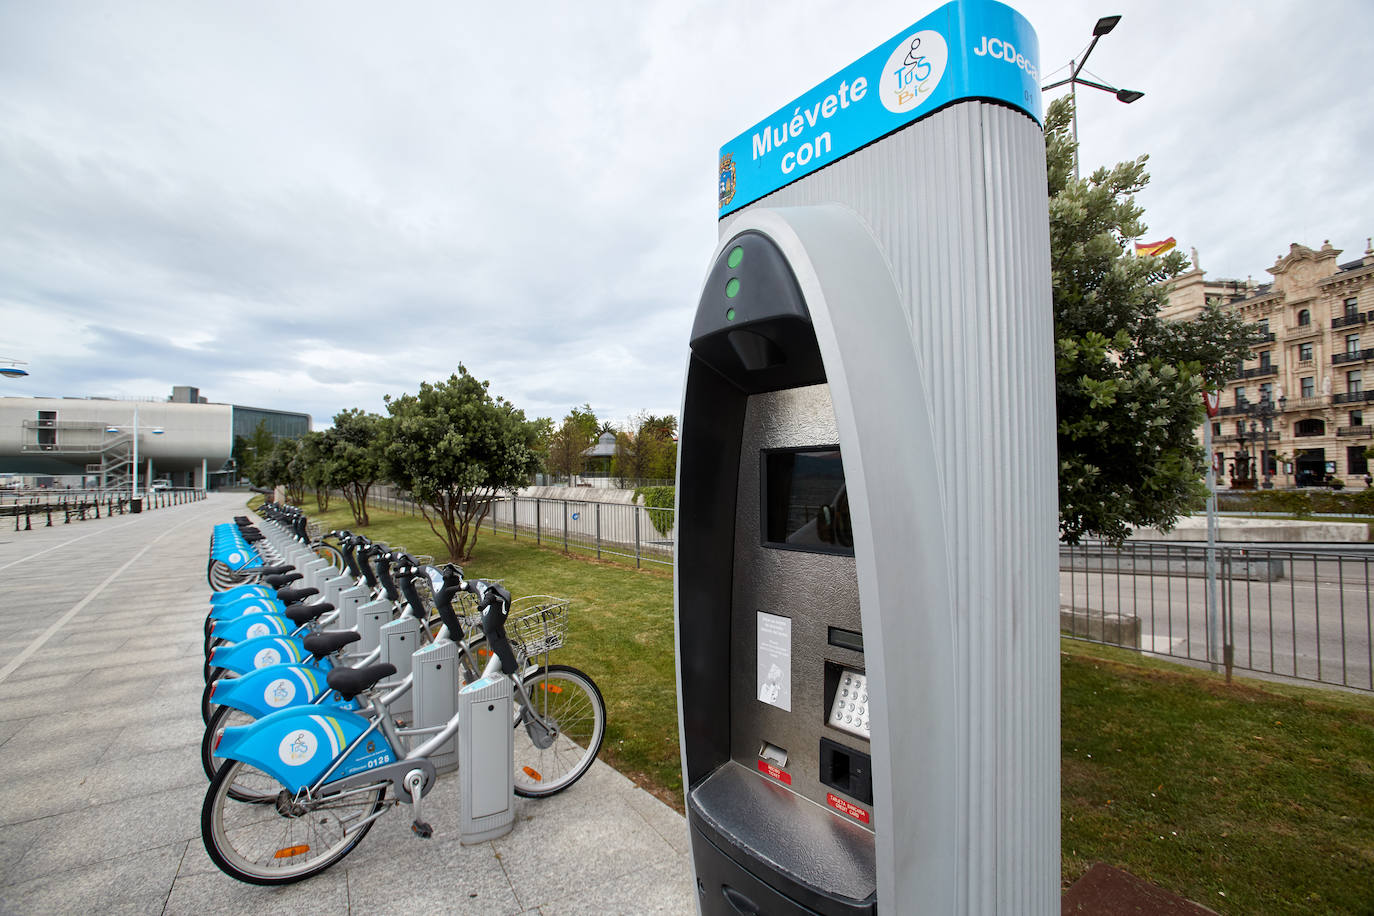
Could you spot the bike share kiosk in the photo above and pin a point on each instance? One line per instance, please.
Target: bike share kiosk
(866, 577)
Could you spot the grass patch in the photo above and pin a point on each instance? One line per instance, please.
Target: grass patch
(1252, 797)
(1248, 798)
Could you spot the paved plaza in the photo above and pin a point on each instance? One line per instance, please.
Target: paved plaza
(101, 783)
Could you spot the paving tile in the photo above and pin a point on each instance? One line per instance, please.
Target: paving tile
(145, 776)
(666, 822)
(102, 832)
(216, 894)
(446, 878)
(659, 889)
(598, 840)
(120, 885)
(15, 840)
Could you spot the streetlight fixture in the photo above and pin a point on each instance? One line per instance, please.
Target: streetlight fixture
(1265, 412)
(156, 431)
(1127, 96)
(12, 368)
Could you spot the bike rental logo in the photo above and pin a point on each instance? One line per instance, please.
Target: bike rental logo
(297, 747)
(913, 70)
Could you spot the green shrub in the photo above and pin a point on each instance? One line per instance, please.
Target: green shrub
(657, 499)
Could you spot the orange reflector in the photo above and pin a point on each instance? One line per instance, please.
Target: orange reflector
(551, 688)
(533, 774)
(290, 851)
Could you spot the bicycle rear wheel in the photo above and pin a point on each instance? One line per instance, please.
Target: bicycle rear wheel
(558, 737)
(281, 839)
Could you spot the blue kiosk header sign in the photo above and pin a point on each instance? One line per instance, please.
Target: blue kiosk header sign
(966, 49)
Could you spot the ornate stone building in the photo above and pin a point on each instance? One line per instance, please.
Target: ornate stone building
(1305, 390)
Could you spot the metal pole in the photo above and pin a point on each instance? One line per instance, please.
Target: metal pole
(1213, 630)
(598, 530)
(565, 526)
(1073, 95)
(133, 488)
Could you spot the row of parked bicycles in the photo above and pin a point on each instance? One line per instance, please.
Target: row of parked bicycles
(326, 659)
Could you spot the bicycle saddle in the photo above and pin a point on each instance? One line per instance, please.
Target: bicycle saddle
(281, 580)
(349, 682)
(292, 595)
(322, 644)
(304, 613)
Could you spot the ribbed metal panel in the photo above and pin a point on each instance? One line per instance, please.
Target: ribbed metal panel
(958, 203)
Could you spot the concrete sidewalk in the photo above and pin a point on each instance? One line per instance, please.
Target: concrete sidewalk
(101, 784)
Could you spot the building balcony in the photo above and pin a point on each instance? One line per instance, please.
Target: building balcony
(1350, 321)
(1270, 337)
(1352, 356)
(1353, 431)
(1260, 371)
(1353, 397)
(1306, 403)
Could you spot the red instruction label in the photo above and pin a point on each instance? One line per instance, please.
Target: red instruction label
(844, 807)
(768, 769)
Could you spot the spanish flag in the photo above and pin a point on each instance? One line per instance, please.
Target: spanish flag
(1154, 249)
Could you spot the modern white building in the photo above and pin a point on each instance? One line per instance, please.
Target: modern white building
(185, 439)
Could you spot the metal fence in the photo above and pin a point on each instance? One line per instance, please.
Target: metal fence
(1303, 614)
(41, 507)
(616, 529)
(610, 529)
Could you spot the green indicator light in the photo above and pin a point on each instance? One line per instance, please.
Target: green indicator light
(732, 288)
(736, 255)
(729, 314)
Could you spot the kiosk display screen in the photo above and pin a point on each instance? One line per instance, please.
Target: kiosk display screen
(806, 506)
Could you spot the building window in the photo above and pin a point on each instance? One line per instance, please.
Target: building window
(1352, 308)
(1357, 418)
(1352, 382)
(1216, 428)
(1240, 427)
(1266, 392)
(1309, 427)
(1264, 359)
(1355, 461)
(1240, 396)
(1309, 386)
(1263, 325)
(1305, 351)
(1352, 343)
(1304, 318)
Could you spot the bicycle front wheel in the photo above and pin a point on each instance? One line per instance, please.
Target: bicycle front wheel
(281, 838)
(558, 736)
(223, 717)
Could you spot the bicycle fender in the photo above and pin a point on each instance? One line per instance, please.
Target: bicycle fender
(266, 690)
(295, 746)
(239, 592)
(260, 652)
(236, 556)
(248, 605)
(251, 626)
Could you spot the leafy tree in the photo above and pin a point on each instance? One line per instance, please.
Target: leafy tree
(575, 435)
(355, 457)
(649, 452)
(316, 470)
(251, 449)
(1128, 384)
(286, 455)
(455, 448)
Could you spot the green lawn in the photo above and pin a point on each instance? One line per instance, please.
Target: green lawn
(1249, 798)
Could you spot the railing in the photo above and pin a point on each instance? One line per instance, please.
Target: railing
(1353, 397)
(1347, 321)
(1351, 356)
(1354, 431)
(1258, 371)
(615, 529)
(28, 507)
(1307, 615)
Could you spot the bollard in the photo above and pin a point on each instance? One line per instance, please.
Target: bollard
(28, 518)
(48, 507)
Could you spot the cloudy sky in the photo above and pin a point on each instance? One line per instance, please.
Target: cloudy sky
(306, 206)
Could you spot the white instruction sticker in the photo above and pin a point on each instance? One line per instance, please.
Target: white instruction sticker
(775, 660)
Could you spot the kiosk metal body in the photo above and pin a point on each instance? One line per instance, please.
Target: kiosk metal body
(866, 502)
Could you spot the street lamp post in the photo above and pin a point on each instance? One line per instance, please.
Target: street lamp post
(1103, 26)
(133, 480)
(1265, 412)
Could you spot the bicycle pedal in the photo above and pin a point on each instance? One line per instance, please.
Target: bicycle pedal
(421, 829)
